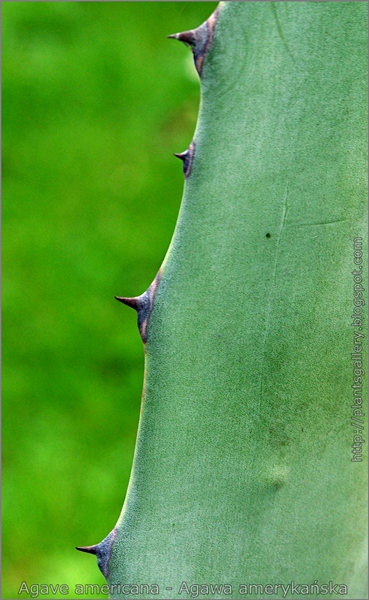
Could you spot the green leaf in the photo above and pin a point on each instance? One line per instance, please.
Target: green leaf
(243, 471)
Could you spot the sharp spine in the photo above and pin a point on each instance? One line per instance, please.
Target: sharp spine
(187, 37)
(182, 155)
(199, 39)
(143, 305)
(89, 549)
(131, 302)
(102, 551)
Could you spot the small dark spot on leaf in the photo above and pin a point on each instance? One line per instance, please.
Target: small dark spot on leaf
(267, 235)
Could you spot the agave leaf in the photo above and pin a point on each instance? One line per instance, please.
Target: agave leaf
(243, 470)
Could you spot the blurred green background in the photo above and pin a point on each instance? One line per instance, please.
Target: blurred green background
(95, 102)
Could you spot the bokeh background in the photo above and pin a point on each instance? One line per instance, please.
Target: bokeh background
(95, 101)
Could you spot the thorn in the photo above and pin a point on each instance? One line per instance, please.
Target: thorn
(143, 305)
(132, 302)
(187, 37)
(89, 549)
(102, 551)
(181, 155)
(187, 158)
(199, 39)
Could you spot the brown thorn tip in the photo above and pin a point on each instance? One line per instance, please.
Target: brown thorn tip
(181, 155)
(187, 37)
(89, 549)
(132, 302)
